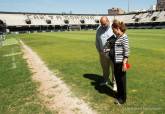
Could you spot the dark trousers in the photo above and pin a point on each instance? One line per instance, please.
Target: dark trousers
(120, 77)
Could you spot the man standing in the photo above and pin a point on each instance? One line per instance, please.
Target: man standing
(104, 32)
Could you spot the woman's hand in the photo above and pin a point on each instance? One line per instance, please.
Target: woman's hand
(125, 61)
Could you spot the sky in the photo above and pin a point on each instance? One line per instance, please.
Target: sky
(73, 6)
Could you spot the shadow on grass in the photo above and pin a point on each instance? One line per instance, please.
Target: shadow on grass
(96, 79)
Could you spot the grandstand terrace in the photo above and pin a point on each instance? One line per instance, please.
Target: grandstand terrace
(38, 22)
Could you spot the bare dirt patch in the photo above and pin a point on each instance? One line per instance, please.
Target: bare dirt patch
(52, 90)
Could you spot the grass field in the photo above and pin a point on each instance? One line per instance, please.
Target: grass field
(18, 94)
(73, 56)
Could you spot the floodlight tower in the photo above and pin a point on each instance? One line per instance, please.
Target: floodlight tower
(128, 5)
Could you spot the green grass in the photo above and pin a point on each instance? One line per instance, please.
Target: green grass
(74, 57)
(18, 94)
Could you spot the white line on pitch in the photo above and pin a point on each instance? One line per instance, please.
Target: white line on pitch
(13, 60)
(12, 54)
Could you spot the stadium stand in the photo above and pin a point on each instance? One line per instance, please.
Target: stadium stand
(39, 22)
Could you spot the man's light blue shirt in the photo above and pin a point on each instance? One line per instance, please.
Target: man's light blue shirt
(102, 34)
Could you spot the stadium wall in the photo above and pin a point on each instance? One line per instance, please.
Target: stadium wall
(39, 22)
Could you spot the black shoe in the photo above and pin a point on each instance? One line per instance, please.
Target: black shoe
(119, 101)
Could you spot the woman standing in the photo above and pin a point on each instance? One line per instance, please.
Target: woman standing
(120, 54)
